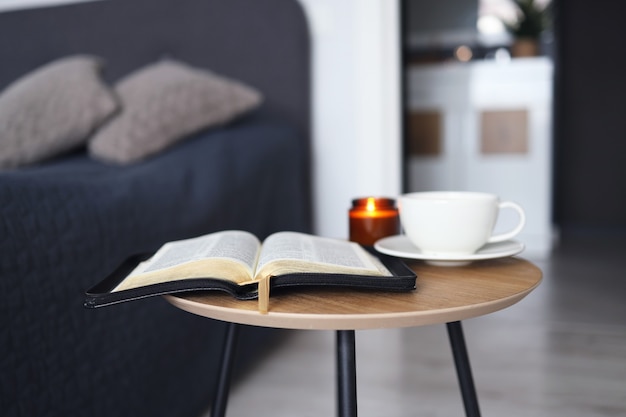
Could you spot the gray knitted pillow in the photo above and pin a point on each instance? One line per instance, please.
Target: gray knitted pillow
(52, 110)
(162, 104)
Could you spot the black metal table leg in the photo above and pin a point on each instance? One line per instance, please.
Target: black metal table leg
(463, 369)
(218, 407)
(346, 374)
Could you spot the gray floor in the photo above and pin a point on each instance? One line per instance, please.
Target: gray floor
(559, 352)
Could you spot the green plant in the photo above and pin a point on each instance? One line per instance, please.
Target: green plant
(532, 19)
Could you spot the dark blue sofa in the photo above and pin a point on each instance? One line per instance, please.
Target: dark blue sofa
(66, 223)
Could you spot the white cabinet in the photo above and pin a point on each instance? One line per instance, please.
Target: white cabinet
(486, 126)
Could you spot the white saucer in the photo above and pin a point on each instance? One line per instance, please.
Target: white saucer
(401, 246)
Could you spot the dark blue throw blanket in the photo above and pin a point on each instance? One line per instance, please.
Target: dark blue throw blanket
(67, 223)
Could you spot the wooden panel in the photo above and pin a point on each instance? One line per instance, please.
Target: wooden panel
(504, 132)
(424, 133)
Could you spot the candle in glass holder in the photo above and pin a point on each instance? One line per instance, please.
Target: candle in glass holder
(373, 218)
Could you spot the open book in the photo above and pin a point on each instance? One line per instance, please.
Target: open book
(237, 262)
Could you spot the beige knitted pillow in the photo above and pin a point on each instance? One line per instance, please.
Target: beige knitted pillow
(162, 104)
(52, 110)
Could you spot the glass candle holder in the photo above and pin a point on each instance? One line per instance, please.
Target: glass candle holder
(372, 218)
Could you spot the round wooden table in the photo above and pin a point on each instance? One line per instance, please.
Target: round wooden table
(443, 295)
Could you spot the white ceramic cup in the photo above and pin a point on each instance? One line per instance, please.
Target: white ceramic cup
(454, 222)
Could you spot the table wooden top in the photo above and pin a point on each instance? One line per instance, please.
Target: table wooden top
(443, 294)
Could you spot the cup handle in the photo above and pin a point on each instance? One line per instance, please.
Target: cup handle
(522, 220)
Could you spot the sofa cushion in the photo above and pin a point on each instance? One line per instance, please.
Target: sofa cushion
(52, 110)
(162, 104)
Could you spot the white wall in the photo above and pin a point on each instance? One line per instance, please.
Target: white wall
(356, 105)
(25, 4)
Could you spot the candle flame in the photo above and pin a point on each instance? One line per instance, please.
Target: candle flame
(371, 204)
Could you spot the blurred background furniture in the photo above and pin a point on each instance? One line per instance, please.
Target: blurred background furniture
(68, 221)
(485, 126)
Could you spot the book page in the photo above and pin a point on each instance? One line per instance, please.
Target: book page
(236, 245)
(216, 255)
(289, 252)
